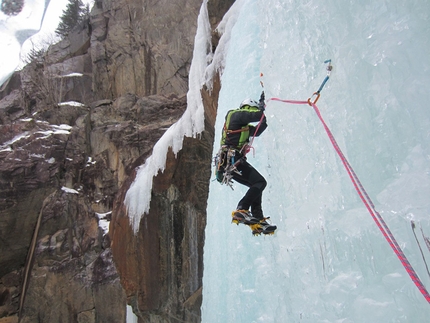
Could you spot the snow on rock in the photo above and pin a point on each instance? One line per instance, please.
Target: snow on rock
(73, 75)
(104, 221)
(7, 145)
(138, 196)
(56, 130)
(71, 103)
(69, 190)
(90, 162)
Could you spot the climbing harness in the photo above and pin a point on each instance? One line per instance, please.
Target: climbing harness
(225, 161)
(359, 187)
(244, 133)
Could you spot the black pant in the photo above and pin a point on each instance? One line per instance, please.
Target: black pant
(251, 178)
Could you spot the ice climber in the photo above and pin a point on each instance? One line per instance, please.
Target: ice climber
(232, 163)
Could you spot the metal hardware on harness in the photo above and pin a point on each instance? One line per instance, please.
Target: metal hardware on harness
(225, 163)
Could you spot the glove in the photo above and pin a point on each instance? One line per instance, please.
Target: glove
(262, 97)
(261, 103)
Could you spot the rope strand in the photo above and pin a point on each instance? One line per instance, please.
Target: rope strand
(375, 215)
(383, 227)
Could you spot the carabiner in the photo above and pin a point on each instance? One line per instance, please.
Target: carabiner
(317, 94)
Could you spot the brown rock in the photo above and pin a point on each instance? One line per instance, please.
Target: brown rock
(58, 184)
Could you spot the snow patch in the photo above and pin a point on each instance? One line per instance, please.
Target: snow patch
(6, 145)
(103, 221)
(37, 155)
(69, 190)
(90, 162)
(62, 129)
(71, 103)
(73, 75)
(6, 149)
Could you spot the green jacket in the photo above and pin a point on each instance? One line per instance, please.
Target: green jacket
(237, 130)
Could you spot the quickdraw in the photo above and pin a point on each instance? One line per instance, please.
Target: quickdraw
(317, 93)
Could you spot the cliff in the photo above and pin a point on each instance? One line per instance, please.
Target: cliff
(65, 168)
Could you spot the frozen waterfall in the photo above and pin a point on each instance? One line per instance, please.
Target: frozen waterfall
(328, 261)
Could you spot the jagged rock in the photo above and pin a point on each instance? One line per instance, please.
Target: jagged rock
(31, 154)
(94, 157)
(12, 84)
(62, 184)
(74, 77)
(172, 278)
(76, 44)
(145, 48)
(77, 64)
(10, 107)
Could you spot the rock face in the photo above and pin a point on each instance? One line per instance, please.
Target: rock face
(162, 266)
(65, 169)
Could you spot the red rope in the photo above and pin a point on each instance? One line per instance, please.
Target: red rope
(368, 202)
(248, 147)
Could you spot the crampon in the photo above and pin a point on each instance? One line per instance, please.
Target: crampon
(263, 228)
(258, 226)
(243, 216)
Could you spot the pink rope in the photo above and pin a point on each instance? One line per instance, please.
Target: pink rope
(248, 147)
(368, 202)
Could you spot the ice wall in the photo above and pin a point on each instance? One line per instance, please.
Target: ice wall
(328, 262)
